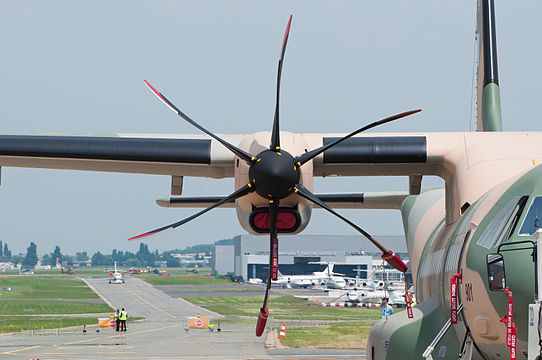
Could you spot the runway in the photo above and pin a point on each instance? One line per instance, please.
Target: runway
(161, 336)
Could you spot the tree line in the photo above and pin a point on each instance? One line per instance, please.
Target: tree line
(143, 257)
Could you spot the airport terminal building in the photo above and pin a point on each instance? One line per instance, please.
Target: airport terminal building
(302, 254)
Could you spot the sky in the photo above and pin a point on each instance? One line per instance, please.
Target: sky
(78, 67)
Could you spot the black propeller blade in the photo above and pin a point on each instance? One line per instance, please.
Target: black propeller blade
(275, 136)
(273, 255)
(300, 160)
(387, 255)
(249, 159)
(235, 195)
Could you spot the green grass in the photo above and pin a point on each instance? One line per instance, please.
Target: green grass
(330, 328)
(239, 290)
(18, 307)
(44, 287)
(344, 336)
(81, 271)
(283, 306)
(21, 323)
(183, 279)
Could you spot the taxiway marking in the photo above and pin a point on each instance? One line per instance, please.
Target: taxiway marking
(147, 302)
(91, 339)
(27, 348)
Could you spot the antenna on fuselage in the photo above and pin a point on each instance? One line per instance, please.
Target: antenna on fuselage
(488, 92)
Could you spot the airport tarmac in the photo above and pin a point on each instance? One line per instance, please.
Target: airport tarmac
(161, 336)
(187, 291)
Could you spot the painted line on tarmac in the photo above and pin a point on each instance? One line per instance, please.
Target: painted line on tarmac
(117, 335)
(96, 291)
(27, 348)
(11, 352)
(145, 301)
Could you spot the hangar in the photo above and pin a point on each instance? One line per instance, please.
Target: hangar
(248, 257)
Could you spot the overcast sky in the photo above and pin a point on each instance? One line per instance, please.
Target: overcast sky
(78, 67)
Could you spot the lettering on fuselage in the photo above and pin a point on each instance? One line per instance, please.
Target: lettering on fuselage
(468, 292)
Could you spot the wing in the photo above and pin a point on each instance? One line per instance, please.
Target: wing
(179, 155)
(401, 154)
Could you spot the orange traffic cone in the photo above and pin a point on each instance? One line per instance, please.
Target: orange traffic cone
(282, 331)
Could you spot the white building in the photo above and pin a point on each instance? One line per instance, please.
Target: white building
(301, 254)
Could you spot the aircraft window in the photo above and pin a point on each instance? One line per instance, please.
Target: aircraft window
(489, 237)
(513, 221)
(533, 216)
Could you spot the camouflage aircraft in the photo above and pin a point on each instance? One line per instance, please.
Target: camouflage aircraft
(489, 202)
(485, 216)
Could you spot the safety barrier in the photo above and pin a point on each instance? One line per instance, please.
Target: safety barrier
(42, 331)
(348, 304)
(322, 321)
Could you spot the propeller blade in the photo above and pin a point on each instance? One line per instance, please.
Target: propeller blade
(240, 153)
(275, 136)
(300, 160)
(387, 255)
(264, 311)
(235, 195)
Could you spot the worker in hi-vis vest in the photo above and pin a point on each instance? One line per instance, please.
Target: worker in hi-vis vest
(117, 320)
(123, 316)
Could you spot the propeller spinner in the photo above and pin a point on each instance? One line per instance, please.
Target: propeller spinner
(274, 174)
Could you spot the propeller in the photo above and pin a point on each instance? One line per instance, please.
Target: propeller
(240, 153)
(275, 138)
(273, 244)
(235, 195)
(387, 255)
(302, 159)
(274, 174)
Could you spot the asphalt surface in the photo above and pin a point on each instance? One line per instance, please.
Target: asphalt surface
(188, 291)
(161, 336)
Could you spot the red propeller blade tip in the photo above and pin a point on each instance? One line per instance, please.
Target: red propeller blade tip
(262, 320)
(285, 40)
(287, 32)
(151, 87)
(142, 235)
(394, 261)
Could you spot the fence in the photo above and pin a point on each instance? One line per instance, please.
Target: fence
(42, 331)
(308, 321)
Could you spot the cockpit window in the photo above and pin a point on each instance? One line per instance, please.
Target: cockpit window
(490, 235)
(512, 222)
(533, 218)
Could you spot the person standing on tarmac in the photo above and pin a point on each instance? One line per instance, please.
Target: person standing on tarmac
(123, 316)
(387, 310)
(117, 320)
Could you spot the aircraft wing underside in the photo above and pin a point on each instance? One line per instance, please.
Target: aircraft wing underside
(199, 156)
(188, 156)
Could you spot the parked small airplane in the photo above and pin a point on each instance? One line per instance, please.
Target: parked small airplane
(396, 297)
(325, 278)
(255, 281)
(68, 271)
